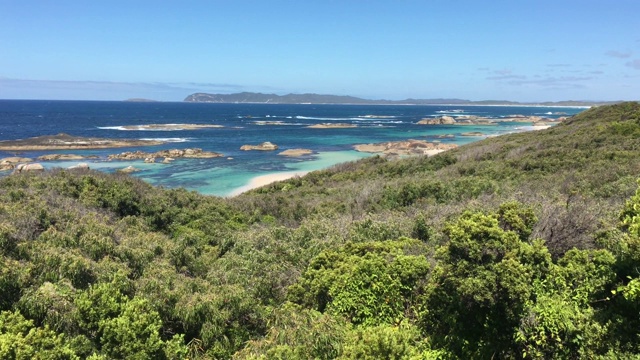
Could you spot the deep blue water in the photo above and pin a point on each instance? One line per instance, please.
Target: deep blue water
(242, 125)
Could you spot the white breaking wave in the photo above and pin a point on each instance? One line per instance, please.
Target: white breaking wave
(325, 119)
(380, 122)
(171, 140)
(277, 123)
(378, 116)
(139, 128)
(112, 127)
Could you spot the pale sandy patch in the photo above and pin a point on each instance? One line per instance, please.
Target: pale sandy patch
(263, 180)
(433, 152)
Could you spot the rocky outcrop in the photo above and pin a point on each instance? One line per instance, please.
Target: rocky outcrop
(9, 163)
(408, 147)
(472, 133)
(523, 118)
(15, 160)
(332, 126)
(459, 120)
(129, 170)
(475, 121)
(32, 167)
(444, 120)
(296, 152)
(67, 142)
(60, 157)
(265, 146)
(80, 166)
(194, 153)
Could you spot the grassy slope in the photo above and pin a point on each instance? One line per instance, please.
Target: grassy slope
(573, 173)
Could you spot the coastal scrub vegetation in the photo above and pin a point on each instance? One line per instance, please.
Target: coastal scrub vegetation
(523, 246)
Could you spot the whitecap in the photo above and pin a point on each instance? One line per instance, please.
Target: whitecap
(325, 118)
(169, 140)
(111, 127)
(378, 116)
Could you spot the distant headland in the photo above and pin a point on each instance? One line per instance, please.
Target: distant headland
(260, 98)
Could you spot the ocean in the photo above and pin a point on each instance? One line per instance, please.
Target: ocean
(285, 125)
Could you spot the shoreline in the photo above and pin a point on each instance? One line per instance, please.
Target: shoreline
(263, 180)
(266, 179)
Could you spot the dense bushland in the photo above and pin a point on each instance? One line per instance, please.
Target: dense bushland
(522, 246)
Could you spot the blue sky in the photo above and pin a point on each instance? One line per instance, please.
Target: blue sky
(514, 50)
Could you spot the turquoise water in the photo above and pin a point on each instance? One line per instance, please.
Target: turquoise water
(242, 124)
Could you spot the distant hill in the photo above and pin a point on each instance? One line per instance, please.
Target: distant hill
(260, 98)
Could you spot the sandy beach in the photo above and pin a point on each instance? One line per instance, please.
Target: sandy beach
(263, 180)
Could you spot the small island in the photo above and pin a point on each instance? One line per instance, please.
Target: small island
(296, 152)
(172, 154)
(67, 142)
(64, 157)
(480, 120)
(265, 146)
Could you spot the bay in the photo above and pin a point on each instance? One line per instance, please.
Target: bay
(285, 125)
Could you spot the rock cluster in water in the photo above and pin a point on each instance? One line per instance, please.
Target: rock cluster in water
(32, 167)
(406, 147)
(296, 152)
(63, 157)
(479, 120)
(65, 142)
(168, 155)
(265, 146)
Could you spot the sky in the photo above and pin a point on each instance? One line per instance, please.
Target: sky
(519, 50)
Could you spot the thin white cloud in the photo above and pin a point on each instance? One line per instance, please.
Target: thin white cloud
(105, 90)
(635, 64)
(618, 54)
(503, 72)
(70, 84)
(506, 77)
(562, 82)
(209, 85)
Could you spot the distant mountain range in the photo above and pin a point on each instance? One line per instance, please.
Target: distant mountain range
(260, 98)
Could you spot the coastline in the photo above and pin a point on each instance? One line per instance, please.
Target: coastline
(383, 104)
(262, 180)
(266, 179)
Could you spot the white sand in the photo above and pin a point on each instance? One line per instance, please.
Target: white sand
(263, 180)
(433, 152)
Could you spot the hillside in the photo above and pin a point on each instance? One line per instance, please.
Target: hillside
(252, 97)
(521, 246)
